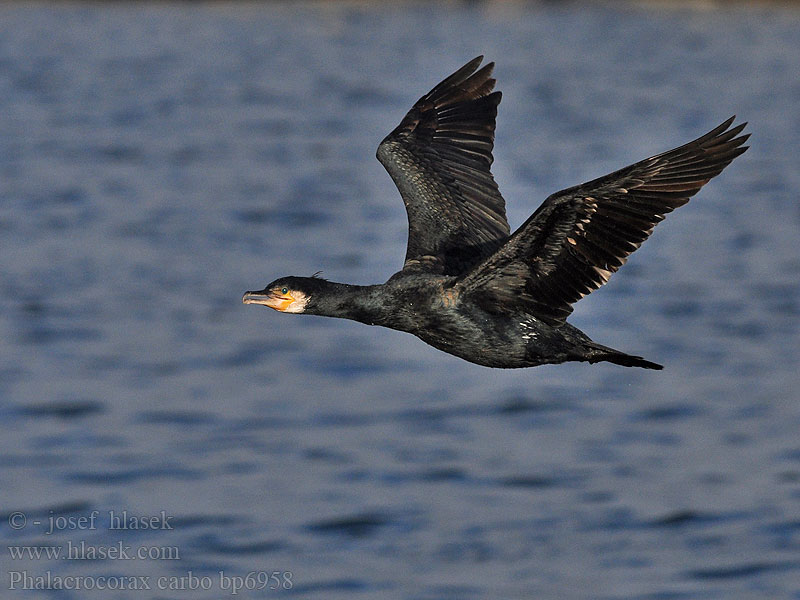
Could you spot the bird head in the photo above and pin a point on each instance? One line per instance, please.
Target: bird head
(287, 294)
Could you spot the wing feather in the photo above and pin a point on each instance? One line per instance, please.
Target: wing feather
(440, 158)
(580, 236)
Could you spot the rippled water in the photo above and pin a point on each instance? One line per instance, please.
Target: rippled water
(158, 160)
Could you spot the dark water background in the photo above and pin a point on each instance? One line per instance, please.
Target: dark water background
(158, 160)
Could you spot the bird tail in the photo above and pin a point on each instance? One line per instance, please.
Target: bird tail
(598, 353)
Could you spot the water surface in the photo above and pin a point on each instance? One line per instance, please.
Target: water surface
(158, 160)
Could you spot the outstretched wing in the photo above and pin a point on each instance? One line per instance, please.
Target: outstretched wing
(439, 158)
(578, 237)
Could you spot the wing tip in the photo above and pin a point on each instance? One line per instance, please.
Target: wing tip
(727, 132)
(476, 61)
(469, 82)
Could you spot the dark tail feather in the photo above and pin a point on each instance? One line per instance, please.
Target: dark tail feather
(600, 353)
(626, 360)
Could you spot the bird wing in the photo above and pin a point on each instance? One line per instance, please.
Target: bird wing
(580, 236)
(439, 158)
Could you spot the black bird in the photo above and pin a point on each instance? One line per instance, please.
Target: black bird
(468, 286)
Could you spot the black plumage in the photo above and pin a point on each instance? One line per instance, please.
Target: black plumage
(468, 287)
(440, 157)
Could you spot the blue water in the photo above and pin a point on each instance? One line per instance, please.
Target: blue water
(156, 161)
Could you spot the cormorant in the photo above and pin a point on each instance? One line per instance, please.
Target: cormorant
(468, 286)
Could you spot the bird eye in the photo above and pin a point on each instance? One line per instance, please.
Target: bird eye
(284, 290)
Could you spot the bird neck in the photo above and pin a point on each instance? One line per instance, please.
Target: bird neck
(345, 301)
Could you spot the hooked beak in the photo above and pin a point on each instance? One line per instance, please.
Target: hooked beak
(277, 302)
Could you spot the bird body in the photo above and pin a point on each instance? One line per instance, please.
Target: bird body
(468, 286)
(429, 307)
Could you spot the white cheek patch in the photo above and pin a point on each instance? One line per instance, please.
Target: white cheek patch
(299, 304)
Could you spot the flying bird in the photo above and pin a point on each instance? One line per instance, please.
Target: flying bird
(469, 286)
